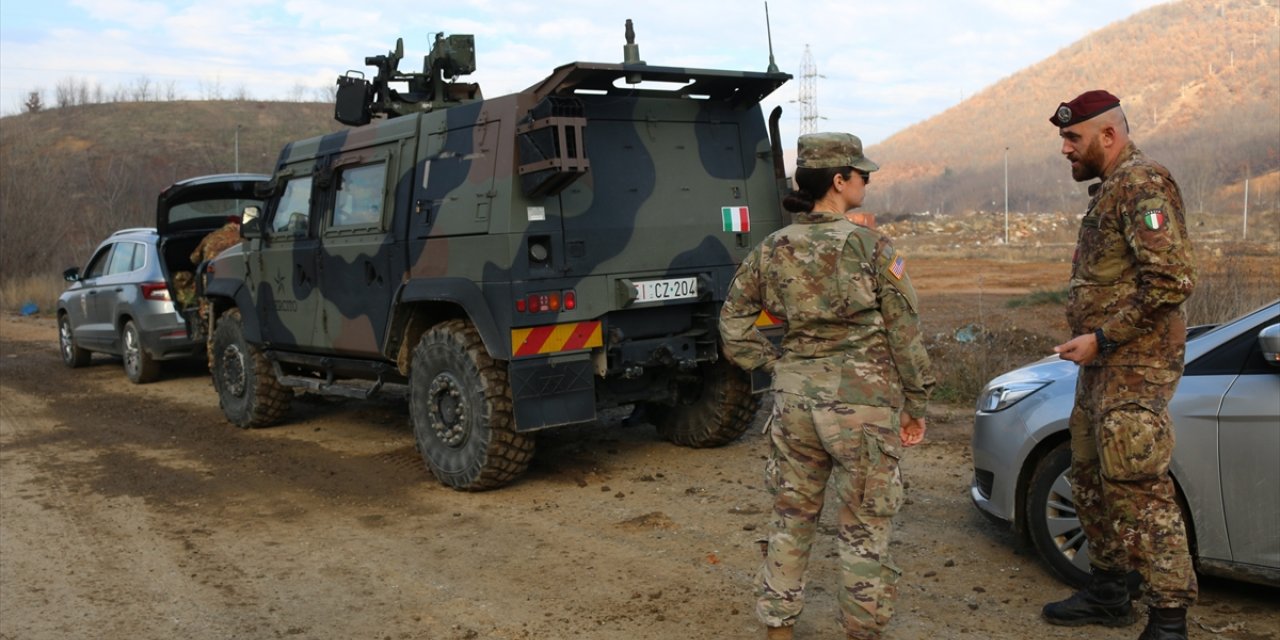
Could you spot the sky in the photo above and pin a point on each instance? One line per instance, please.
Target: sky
(882, 66)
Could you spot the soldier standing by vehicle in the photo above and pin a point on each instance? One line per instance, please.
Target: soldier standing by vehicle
(852, 350)
(211, 245)
(1132, 271)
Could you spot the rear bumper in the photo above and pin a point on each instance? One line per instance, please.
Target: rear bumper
(166, 336)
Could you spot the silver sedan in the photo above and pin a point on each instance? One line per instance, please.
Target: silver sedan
(1226, 464)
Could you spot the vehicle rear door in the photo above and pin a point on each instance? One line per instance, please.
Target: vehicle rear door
(358, 253)
(1249, 446)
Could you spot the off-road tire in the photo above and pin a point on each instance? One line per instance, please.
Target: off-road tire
(72, 355)
(716, 409)
(460, 405)
(139, 366)
(248, 392)
(1049, 498)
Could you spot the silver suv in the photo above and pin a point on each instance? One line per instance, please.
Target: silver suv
(123, 303)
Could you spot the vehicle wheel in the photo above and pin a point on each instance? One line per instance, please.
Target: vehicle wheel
(248, 392)
(72, 355)
(1052, 522)
(138, 364)
(460, 404)
(716, 408)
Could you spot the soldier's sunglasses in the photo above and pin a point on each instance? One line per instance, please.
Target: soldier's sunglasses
(866, 177)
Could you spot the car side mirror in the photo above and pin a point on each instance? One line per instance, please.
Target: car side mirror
(72, 274)
(1269, 342)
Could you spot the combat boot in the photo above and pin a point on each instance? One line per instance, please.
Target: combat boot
(1105, 601)
(778, 633)
(1165, 624)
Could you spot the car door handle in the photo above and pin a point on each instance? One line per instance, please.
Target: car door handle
(371, 274)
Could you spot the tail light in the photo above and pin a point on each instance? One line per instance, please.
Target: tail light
(155, 291)
(547, 302)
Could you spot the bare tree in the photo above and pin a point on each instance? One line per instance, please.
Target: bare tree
(34, 103)
(211, 89)
(141, 89)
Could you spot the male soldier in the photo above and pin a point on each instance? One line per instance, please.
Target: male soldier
(211, 245)
(1131, 273)
(851, 383)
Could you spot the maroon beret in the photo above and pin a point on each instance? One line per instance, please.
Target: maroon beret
(1085, 106)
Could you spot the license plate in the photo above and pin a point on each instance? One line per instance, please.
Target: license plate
(670, 289)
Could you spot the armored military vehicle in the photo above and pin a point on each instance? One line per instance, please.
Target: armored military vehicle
(517, 263)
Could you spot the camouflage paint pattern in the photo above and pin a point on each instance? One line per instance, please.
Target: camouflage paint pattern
(1132, 272)
(851, 357)
(457, 232)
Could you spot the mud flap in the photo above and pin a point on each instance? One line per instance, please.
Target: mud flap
(551, 392)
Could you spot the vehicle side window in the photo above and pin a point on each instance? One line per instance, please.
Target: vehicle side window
(358, 200)
(98, 265)
(122, 258)
(139, 257)
(293, 211)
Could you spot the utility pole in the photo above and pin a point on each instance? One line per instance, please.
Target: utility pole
(1246, 209)
(1006, 196)
(237, 148)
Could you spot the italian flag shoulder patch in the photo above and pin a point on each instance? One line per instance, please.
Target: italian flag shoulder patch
(1154, 220)
(736, 219)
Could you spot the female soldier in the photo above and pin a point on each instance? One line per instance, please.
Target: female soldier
(851, 382)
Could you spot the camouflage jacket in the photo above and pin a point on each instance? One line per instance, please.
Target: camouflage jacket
(852, 330)
(1133, 266)
(216, 242)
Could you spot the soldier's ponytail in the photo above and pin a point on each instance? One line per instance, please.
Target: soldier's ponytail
(812, 185)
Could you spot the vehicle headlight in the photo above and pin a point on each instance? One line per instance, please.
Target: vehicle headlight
(1001, 397)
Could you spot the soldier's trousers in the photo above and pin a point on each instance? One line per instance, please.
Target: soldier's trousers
(857, 448)
(1121, 444)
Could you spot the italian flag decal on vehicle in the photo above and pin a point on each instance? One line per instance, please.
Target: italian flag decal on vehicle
(736, 219)
(1154, 219)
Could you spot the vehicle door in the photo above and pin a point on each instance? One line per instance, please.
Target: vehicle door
(118, 289)
(91, 326)
(1249, 446)
(284, 279)
(357, 254)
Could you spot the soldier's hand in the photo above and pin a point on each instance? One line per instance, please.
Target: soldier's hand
(912, 430)
(1081, 349)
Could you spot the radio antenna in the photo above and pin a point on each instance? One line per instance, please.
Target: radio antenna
(773, 66)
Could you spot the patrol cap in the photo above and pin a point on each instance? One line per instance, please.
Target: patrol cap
(1083, 107)
(828, 150)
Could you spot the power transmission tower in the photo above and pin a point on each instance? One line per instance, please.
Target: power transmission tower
(808, 97)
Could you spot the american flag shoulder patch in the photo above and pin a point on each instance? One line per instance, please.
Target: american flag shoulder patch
(899, 267)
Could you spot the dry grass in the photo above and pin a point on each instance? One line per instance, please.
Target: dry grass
(41, 289)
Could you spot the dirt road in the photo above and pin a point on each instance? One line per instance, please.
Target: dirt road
(137, 512)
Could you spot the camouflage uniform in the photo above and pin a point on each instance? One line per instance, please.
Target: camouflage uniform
(851, 352)
(1132, 271)
(225, 237)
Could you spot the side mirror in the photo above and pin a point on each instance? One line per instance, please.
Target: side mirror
(251, 228)
(250, 212)
(72, 274)
(1269, 342)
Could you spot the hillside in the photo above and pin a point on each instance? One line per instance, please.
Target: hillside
(70, 176)
(1200, 83)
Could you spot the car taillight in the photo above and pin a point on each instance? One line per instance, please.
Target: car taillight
(155, 291)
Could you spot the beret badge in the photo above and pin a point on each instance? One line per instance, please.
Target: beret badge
(1064, 114)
